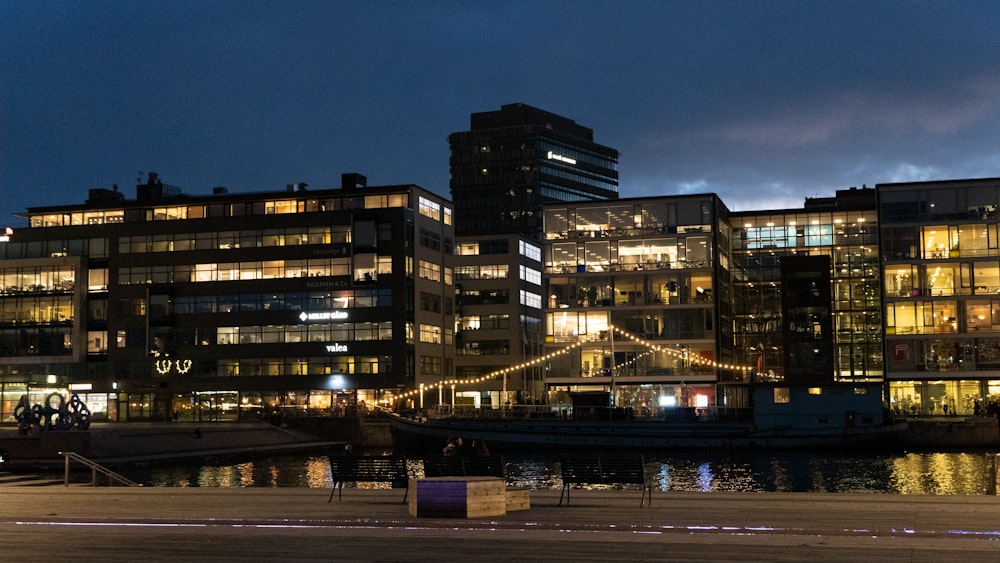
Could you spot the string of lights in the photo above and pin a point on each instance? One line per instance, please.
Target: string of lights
(482, 378)
(680, 354)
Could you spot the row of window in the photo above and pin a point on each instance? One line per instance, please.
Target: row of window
(531, 275)
(942, 279)
(36, 341)
(631, 254)
(945, 354)
(291, 301)
(362, 267)
(530, 251)
(267, 367)
(484, 297)
(937, 317)
(694, 211)
(79, 218)
(93, 248)
(595, 180)
(806, 235)
(233, 209)
(318, 332)
(481, 272)
(434, 210)
(483, 247)
(211, 240)
(333, 365)
(482, 322)
(483, 348)
(630, 290)
(166, 339)
(531, 299)
(941, 241)
(902, 203)
(37, 279)
(31, 310)
(434, 272)
(433, 334)
(432, 302)
(654, 324)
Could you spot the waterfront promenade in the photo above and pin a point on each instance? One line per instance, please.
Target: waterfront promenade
(182, 524)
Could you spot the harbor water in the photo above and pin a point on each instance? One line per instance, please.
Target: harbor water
(929, 473)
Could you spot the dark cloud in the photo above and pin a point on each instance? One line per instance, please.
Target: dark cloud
(764, 103)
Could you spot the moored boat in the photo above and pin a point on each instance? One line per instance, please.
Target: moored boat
(782, 417)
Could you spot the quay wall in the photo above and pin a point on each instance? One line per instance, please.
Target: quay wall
(974, 432)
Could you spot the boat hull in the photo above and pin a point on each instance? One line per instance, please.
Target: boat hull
(516, 435)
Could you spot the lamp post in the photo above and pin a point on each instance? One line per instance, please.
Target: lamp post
(611, 333)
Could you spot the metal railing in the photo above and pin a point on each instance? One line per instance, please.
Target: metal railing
(991, 474)
(95, 468)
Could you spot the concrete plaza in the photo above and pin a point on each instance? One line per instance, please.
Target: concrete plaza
(183, 524)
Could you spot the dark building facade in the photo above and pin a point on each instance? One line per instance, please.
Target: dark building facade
(503, 170)
(806, 309)
(516, 159)
(228, 305)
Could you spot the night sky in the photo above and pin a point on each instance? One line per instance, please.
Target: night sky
(763, 102)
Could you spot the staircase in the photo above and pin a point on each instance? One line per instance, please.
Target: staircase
(8, 479)
(108, 477)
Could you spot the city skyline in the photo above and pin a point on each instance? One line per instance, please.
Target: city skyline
(763, 104)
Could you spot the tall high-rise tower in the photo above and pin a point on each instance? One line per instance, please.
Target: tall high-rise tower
(514, 160)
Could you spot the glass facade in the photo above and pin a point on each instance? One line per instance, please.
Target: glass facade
(848, 234)
(642, 287)
(941, 256)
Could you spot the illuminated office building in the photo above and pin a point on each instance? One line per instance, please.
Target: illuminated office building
(839, 336)
(641, 287)
(498, 295)
(940, 248)
(224, 306)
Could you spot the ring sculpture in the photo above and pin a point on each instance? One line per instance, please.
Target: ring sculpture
(56, 414)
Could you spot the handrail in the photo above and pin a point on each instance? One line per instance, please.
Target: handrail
(95, 468)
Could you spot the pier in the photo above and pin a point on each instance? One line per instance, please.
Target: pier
(177, 524)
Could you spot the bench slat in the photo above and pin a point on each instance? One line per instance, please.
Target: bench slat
(605, 471)
(368, 469)
(464, 466)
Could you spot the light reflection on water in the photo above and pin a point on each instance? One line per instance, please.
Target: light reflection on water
(951, 473)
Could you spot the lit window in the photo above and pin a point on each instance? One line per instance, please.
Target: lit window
(429, 208)
(430, 334)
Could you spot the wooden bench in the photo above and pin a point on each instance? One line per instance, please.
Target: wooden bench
(464, 466)
(369, 469)
(605, 471)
